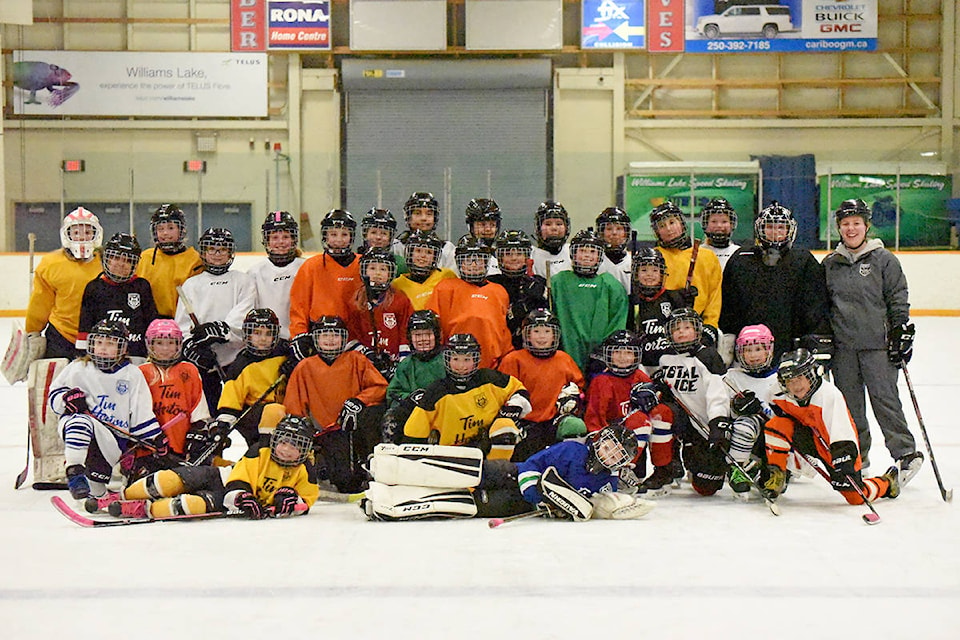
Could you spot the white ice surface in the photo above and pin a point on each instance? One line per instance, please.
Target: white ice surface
(693, 568)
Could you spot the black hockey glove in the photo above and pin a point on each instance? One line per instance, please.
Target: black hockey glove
(510, 411)
(302, 347)
(688, 295)
(200, 355)
(820, 345)
(75, 401)
(247, 502)
(711, 336)
(843, 461)
(719, 436)
(746, 403)
(349, 413)
(285, 501)
(211, 332)
(900, 344)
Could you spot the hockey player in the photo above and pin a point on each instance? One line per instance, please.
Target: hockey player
(870, 317)
(119, 294)
(219, 298)
(673, 241)
(483, 220)
(271, 480)
(58, 285)
(692, 373)
(472, 304)
(170, 262)
(526, 292)
(273, 277)
(613, 227)
(812, 418)
(422, 257)
(104, 404)
(552, 228)
(471, 405)
(378, 228)
(719, 220)
(422, 212)
(776, 285)
(574, 480)
(651, 304)
(379, 313)
(547, 373)
(342, 393)
(589, 305)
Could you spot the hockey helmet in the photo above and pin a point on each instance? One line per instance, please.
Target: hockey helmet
(775, 227)
(385, 259)
(532, 340)
(660, 215)
(212, 240)
(611, 448)
(799, 363)
(107, 344)
(169, 213)
(648, 256)
(586, 252)
(718, 206)
(419, 200)
(461, 344)
(124, 248)
(424, 320)
(261, 343)
(613, 349)
(378, 219)
(509, 242)
(291, 442)
(676, 321)
(425, 241)
(322, 330)
(471, 254)
(548, 210)
(163, 329)
(281, 221)
(754, 334)
(853, 207)
(609, 219)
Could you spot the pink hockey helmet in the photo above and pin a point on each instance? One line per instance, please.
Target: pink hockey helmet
(163, 328)
(755, 334)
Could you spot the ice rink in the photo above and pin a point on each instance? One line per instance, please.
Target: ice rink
(693, 568)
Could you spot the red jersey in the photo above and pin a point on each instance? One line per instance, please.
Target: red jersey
(391, 317)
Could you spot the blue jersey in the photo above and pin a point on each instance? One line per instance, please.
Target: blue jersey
(569, 458)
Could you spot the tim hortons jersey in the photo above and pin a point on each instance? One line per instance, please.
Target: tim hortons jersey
(257, 473)
(176, 390)
(130, 303)
(390, 316)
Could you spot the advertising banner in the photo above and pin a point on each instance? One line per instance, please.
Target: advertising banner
(248, 25)
(131, 83)
(607, 24)
(920, 200)
(299, 25)
(643, 193)
(789, 25)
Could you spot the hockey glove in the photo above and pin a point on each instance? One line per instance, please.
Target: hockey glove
(570, 400)
(689, 295)
(510, 411)
(302, 347)
(211, 332)
(628, 480)
(247, 502)
(200, 355)
(821, 346)
(349, 414)
(746, 403)
(900, 344)
(711, 336)
(720, 434)
(75, 401)
(285, 501)
(843, 459)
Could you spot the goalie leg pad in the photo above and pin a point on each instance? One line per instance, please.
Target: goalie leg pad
(608, 505)
(427, 465)
(48, 461)
(385, 502)
(561, 495)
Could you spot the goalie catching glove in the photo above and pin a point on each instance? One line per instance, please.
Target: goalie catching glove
(608, 505)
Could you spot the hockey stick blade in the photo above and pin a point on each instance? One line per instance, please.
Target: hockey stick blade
(70, 514)
(334, 496)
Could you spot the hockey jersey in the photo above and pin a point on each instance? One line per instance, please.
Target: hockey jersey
(273, 286)
(390, 316)
(543, 379)
(413, 373)
(227, 297)
(176, 390)
(526, 293)
(479, 310)
(257, 473)
(589, 310)
(165, 272)
(322, 287)
(569, 458)
(622, 271)
(318, 390)
(696, 380)
(130, 303)
(58, 285)
(244, 387)
(559, 261)
(419, 292)
(707, 278)
(723, 253)
(647, 317)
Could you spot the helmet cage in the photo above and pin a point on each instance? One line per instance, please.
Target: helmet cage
(295, 431)
(81, 249)
(211, 239)
(121, 245)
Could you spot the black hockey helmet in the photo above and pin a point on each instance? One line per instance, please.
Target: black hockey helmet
(853, 207)
(338, 219)
(105, 332)
(663, 212)
(420, 200)
(609, 217)
(582, 245)
(799, 363)
(678, 317)
(469, 250)
(378, 219)
(281, 221)
(426, 240)
(540, 318)
(644, 396)
(123, 246)
(297, 432)
(611, 448)
(212, 238)
(648, 256)
(718, 206)
(461, 344)
(547, 210)
(775, 227)
(424, 320)
(327, 325)
(621, 340)
(509, 241)
(378, 255)
(169, 213)
(483, 210)
(261, 318)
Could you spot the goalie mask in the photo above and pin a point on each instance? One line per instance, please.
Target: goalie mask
(621, 352)
(168, 227)
(81, 234)
(586, 252)
(217, 249)
(669, 226)
(423, 334)
(552, 226)
(649, 272)
(164, 341)
(261, 331)
(612, 447)
(281, 238)
(541, 333)
(107, 345)
(721, 230)
(329, 337)
(337, 230)
(799, 375)
(684, 329)
(120, 257)
(754, 348)
(378, 268)
(291, 441)
(461, 357)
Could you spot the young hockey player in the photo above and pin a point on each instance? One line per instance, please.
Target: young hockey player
(470, 406)
(342, 392)
(472, 304)
(773, 284)
(589, 305)
(651, 304)
(273, 479)
(219, 299)
(378, 228)
(379, 313)
(119, 294)
(812, 418)
(692, 372)
(574, 479)
(423, 253)
(870, 317)
(483, 220)
(673, 241)
(104, 404)
(58, 285)
(422, 213)
(613, 227)
(273, 277)
(526, 292)
(547, 373)
(719, 220)
(170, 262)
(552, 230)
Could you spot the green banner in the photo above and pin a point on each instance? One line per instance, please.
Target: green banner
(643, 193)
(920, 199)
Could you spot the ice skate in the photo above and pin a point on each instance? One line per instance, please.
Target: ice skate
(909, 466)
(134, 509)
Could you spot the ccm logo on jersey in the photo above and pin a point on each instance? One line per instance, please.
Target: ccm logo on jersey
(681, 378)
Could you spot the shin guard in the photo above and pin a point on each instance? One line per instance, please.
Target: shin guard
(384, 502)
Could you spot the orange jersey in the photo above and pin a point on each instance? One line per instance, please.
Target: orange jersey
(318, 390)
(482, 311)
(176, 390)
(165, 272)
(322, 288)
(543, 378)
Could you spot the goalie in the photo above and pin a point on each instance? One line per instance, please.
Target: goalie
(574, 479)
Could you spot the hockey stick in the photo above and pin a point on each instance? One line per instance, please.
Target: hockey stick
(334, 496)
(870, 518)
(196, 323)
(493, 523)
(22, 476)
(549, 291)
(946, 494)
(168, 457)
(705, 434)
(693, 262)
(60, 505)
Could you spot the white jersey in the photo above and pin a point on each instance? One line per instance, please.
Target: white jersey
(619, 270)
(273, 289)
(703, 392)
(558, 263)
(765, 387)
(121, 398)
(448, 257)
(723, 254)
(226, 297)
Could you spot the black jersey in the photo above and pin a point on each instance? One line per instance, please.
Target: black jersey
(129, 302)
(648, 317)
